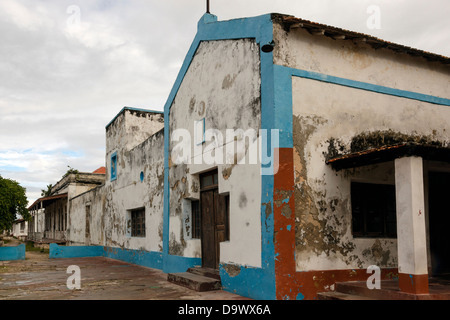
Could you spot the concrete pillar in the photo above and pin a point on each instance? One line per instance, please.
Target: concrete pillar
(411, 231)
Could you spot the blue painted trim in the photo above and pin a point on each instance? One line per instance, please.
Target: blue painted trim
(263, 279)
(62, 252)
(12, 253)
(143, 258)
(365, 86)
(113, 167)
(283, 116)
(149, 259)
(139, 257)
(173, 264)
(249, 282)
(132, 109)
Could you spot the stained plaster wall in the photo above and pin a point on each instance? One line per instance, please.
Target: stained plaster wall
(77, 232)
(222, 86)
(108, 223)
(330, 118)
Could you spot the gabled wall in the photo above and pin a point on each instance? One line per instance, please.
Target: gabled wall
(240, 271)
(221, 86)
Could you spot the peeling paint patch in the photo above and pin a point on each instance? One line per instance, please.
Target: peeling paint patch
(226, 172)
(232, 270)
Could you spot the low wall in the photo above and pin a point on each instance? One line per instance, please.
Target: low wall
(59, 252)
(12, 253)
(154, 260)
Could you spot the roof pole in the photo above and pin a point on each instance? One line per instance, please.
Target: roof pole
(207, 7)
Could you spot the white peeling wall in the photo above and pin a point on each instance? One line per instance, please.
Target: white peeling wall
(299, 49)
(139, 184)
(129, 129)
(222, 86)
(128, 192)
(132, 127)
(80, 218)
(327, 118)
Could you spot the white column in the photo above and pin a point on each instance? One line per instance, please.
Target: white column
(411, 230)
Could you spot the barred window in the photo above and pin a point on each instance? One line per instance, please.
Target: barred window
(196, 224)
(138, 223)
(373, 210)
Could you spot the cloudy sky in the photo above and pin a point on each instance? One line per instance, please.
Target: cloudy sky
(67, 67)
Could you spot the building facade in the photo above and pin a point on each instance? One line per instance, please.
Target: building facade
(20, 229)
(290, 155)
(50, 214)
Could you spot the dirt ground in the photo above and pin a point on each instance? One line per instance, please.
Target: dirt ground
(40, 278)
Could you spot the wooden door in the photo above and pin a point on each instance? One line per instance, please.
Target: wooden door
(209, 254)
(214, 222)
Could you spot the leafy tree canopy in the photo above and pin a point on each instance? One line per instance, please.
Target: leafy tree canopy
(48, 192)
(13, 202)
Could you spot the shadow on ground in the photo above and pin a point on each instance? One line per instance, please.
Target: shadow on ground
(40, 278)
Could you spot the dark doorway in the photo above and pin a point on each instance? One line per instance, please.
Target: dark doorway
(214, 219)
(439, 222)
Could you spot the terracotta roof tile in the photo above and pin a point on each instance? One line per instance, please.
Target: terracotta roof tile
(101, 170)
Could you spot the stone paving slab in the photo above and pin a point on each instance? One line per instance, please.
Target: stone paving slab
(41, 278)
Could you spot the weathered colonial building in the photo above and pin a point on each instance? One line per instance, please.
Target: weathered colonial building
(20, 229)
(49, 215)
(290, 155)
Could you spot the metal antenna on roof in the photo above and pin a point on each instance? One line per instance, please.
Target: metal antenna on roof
(207, 7)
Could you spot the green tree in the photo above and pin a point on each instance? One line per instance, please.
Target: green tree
(13, 202)
(48, 192)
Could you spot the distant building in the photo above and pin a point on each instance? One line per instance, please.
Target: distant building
(49, 215)
(290, 155)
(20, 229)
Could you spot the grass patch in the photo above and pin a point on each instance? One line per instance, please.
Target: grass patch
(29, 246)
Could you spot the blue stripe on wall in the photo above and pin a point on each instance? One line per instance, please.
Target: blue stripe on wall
(143, 258)
(58, 252)
(364, 86)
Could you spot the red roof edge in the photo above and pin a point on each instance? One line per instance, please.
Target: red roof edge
(101, 170)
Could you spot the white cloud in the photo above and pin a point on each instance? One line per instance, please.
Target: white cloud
(68, 66)
(25, 17)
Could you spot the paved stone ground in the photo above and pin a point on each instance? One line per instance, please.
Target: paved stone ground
(41, 278)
